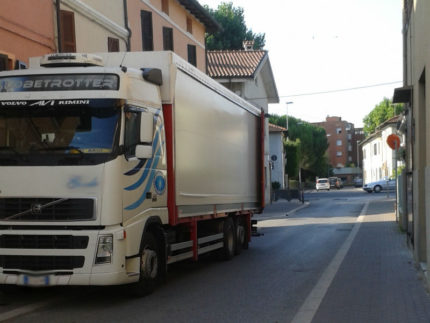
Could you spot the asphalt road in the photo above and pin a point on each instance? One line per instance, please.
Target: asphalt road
(267, 283)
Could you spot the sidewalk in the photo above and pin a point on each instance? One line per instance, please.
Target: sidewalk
(377, 280)
(281, 208)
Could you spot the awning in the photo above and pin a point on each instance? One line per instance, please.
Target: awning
(403, 94)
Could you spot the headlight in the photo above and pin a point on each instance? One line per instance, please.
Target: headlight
(104, 249)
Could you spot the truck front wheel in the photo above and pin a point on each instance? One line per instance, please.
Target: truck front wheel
(149, 265)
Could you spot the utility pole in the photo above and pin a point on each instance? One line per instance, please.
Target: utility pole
(358, 155)
(286, 161)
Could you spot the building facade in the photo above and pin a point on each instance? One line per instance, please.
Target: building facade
(277, 154)
(26, 30)
(343, 141)
(414, 93)
(176, 25)
(378, 158)
(91, 26)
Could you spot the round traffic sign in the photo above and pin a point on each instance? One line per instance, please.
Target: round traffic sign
(393, 141)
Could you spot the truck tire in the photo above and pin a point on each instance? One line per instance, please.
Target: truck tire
(240, 237)
(149, 265)
(228, 250)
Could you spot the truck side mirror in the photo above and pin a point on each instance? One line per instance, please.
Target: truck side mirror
(146, 127)
(144, 151)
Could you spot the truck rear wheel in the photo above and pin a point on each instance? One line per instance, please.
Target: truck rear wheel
(240, 237)
(228, 250)
(149, 265)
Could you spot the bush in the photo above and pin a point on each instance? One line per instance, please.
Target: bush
(276, 185)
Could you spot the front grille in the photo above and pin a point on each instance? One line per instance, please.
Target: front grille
(43, 241)
(42, 262)
(46, 209)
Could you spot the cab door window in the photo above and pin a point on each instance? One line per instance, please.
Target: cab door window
(132, 126)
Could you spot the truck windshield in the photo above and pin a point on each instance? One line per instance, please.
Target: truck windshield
(57, 131)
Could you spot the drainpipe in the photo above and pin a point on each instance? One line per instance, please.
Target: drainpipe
(59, 44)
(126, 25)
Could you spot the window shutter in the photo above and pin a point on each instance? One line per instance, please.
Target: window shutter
(189, 25)
(67, 27)
(167, 38)
(147, 34)
(192, 57)
(3, 62)
(165, 6)
(113, 44)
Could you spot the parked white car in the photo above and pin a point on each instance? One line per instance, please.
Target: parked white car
(381, 185)
(322, 184)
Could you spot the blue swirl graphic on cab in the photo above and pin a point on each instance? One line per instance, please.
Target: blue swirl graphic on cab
(148, 170)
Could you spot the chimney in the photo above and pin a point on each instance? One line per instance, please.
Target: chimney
(248, 45)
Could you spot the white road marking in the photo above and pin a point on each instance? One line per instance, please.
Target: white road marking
(310, 306)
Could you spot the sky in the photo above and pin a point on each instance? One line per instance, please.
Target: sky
(319, 46)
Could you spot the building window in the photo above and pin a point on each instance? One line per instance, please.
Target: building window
(147, 34)
(349, 147)
(67, 30)
(349, 158)
(5, 62)
(113, 44)
(165, 6)
(338, 153)
(189, 25)
(375, 149)
(167, 38)
(192, 58)
(338, 130)
(338, 142)
(349, 136)
(131, 136)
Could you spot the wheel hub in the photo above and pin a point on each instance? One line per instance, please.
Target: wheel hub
(149, 264)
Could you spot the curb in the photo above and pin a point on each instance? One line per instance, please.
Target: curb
(281, 215)
(306, 204)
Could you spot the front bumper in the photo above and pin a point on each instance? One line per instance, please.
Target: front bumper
(65, 264)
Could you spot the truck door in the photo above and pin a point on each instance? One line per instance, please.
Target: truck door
(144, 162)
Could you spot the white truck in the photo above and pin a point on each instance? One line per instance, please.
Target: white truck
(115, 165)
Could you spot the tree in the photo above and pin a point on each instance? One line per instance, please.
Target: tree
(306, 147)
(234, 30)
(380, 113)
(292, 151)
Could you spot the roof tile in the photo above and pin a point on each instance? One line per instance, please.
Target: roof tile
(234, 63)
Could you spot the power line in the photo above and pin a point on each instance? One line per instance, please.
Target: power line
(340, 90)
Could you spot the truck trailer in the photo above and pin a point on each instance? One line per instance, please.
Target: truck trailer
(115, 165)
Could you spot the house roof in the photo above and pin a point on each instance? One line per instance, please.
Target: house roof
(234, 63)
(202, 14)
(276, 128)
(392, 120)
(381, 127)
